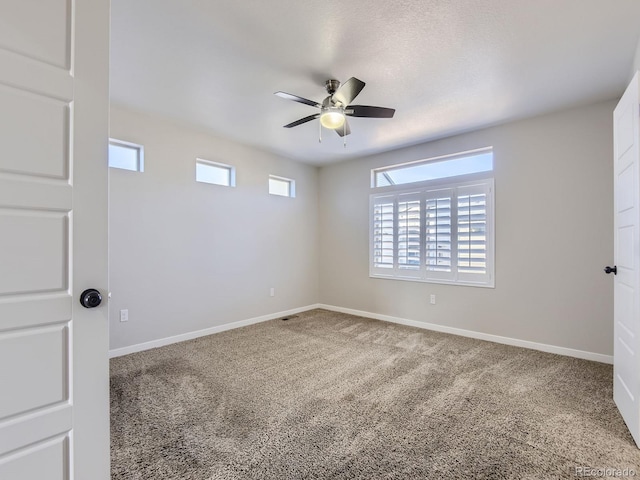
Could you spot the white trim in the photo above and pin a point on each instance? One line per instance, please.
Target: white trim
(161, 342)
(568, 352)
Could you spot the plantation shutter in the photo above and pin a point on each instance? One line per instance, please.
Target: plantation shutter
(383, 233)
(440, 235)
(409, 234)
(438, 240)
(396, 235)
(472, 240)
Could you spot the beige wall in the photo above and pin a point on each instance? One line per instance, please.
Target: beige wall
(636, 61)
(554, 234)
(186, 256)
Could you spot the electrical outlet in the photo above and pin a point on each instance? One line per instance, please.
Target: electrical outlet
(432, 299)
(272, 292)
(124, 315)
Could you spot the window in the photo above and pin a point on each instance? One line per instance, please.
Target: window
(434, 231)
(126, 155)
(435, 168)
(284, 187)
(215, 173)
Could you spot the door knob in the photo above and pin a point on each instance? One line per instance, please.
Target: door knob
(609, 270)
(90, 298)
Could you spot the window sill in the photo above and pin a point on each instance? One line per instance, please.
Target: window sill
(440, 282)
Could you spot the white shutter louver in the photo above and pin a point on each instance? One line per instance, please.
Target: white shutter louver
(438, 233)
(472, 233)
(383, 233)
(409, 234)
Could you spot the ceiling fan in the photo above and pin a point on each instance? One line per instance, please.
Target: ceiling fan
(337, 106)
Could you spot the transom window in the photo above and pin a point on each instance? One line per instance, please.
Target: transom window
(436, 231)
(441, 167)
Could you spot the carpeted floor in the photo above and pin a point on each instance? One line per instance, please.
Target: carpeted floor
(332, 396)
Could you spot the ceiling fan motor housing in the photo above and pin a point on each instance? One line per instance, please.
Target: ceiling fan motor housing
(332, 86)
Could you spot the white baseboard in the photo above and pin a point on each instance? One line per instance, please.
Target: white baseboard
(569, 352)
(161, 342)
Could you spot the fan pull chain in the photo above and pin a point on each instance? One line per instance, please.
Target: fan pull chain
(319, 132)
(344, 131)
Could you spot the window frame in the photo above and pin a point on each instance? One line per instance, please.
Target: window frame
(432, 160)
(134, 146)
(422, 190)
(290, 181)
(230, 168)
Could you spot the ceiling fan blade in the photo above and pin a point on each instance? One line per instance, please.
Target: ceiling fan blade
(344, 130)
(369, 111)
(298, 99)
(302, 120)
(348, 91)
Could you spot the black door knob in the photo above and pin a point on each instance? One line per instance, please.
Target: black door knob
(90, 298)
(609, 270)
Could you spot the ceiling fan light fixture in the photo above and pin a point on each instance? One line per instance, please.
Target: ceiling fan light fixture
(332, 117)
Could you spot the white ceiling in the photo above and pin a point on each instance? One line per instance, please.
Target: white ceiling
(446, 66)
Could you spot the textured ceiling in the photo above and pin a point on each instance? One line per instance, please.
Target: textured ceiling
(445, 66)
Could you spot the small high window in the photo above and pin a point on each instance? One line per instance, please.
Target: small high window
(284, 187)
(215, 173)
(126, 155)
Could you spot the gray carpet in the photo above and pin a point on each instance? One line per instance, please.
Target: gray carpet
(333, 396)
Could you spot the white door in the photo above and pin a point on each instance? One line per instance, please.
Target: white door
(54, 59)
(626, 349)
